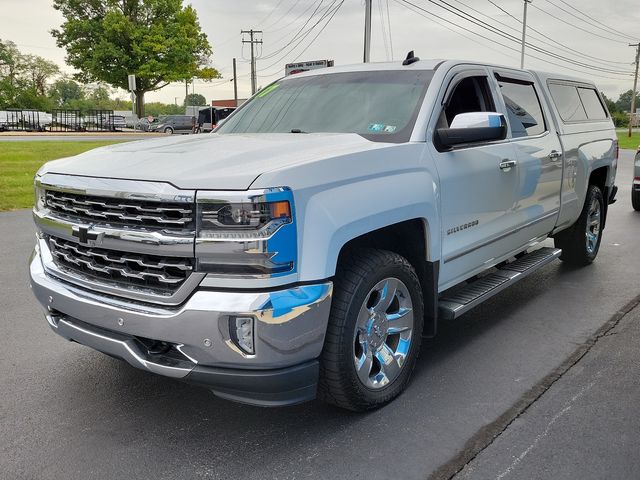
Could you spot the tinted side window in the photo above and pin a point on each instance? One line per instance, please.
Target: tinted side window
(472, 94)
(524, 112)
(568, 102)
(592, 104)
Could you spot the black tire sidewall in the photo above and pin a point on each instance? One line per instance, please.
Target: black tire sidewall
(403, 272)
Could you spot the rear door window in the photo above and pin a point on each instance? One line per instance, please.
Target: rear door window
(592, 104)
(524, 112)
(568, 102)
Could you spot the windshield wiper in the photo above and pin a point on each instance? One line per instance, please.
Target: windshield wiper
(297, 130)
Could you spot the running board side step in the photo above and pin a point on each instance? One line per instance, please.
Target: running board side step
(476, 292)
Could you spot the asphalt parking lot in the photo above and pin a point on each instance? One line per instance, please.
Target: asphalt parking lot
(482, 392)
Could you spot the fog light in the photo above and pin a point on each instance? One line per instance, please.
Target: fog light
(242, 329)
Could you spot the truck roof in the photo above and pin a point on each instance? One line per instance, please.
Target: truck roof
(433, 64)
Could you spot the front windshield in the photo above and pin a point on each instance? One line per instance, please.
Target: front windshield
(379, 105)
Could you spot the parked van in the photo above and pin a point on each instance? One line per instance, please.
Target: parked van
(175, 124)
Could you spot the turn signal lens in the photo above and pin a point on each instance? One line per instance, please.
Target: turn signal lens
(280, 209)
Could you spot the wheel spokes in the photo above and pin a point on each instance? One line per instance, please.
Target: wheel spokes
(364, 364)
(400, 321)
(387, 294)
(389, 366)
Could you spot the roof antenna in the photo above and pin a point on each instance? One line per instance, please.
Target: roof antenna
(410, 59)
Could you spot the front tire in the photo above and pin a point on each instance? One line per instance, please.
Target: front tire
(168, 130)
(580, 243)
(374, 333)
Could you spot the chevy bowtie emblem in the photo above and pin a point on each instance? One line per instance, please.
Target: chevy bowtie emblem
(86, 236)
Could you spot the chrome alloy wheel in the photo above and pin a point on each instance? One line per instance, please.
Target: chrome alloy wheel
(593, 226)
(383, 333)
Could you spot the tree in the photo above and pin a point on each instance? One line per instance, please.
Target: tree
(24, 78)
(63, 92)
(39, 71)
(195, 99)
(160, 41)
(611, 105)
(624, 101)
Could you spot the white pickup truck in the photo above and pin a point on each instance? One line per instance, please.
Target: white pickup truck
(306, 246)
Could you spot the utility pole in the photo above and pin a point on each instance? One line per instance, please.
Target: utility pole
(635, 87)
(524, 31)
(186, 94)
(235, 83)
(367, 30)
(253, 56)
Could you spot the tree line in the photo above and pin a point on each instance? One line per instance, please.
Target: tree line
(33, 82)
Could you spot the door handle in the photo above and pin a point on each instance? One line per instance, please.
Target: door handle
(505, 165)
(555, 155)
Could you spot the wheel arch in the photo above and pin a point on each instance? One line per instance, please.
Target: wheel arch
(410, 239)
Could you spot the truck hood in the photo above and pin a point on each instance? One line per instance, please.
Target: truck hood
(212, 161)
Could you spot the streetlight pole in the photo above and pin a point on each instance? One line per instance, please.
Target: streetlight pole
(524, 31)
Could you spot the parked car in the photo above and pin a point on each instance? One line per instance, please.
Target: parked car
(147, 124)
(307, 245)
(175, 124)
(635, 190)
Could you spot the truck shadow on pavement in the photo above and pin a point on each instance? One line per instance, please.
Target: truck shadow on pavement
(163, 418)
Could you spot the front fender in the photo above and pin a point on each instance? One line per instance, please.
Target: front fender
(336, 215)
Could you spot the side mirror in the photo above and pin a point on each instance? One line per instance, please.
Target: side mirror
(473, 127)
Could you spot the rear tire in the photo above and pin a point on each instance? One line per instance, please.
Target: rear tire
(635, 198)
(374, 332)
(580, 242)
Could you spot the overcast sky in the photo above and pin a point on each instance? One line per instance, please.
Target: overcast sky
(28, 22)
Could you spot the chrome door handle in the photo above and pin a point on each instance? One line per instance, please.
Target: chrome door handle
(554, 155)
(505, 165)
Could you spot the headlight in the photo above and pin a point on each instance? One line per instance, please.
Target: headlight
(39, 201)
(246, 233)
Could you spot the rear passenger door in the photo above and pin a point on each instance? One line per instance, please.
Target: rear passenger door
(538, 153)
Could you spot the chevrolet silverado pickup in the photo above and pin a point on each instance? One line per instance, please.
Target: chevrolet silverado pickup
(305, 247)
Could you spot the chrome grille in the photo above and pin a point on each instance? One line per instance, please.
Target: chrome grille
(121, 211)
(161, 274)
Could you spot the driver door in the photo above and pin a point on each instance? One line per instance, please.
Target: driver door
(477, 196)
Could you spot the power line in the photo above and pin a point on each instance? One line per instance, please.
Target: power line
(335, 11)
(489, 46)
(301, 38)
(389, 29)
(284, 15)
(383, 30)
(407, 2)
(593, 22)
(295, 20)
(293, 39)
(495, 30)
(565, 22)
(552, 43)
(270, 13)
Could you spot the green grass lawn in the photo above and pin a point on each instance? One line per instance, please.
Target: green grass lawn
(629, 142)
(19, 161)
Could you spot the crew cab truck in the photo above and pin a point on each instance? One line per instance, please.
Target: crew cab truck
(307, 245)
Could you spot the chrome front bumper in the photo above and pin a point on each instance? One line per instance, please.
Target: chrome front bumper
(290, 326)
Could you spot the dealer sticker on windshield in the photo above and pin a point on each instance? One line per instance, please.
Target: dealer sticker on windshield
(381, 127)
